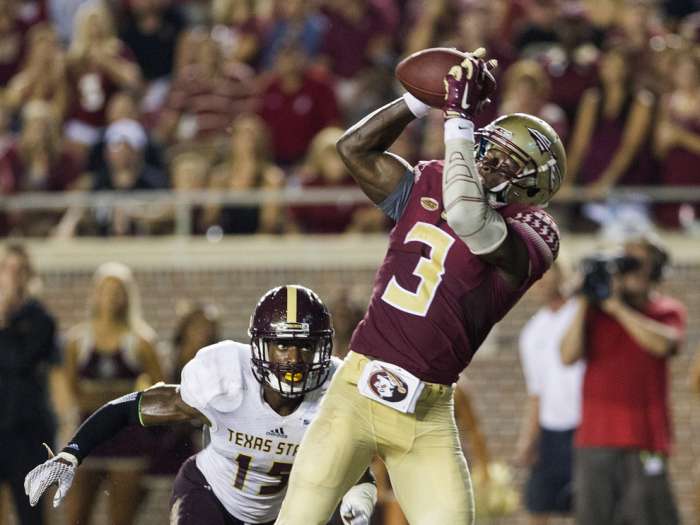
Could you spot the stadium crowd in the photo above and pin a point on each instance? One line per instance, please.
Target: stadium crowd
(240, 94)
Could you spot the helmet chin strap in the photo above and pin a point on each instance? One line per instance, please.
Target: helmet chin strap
(496, 195)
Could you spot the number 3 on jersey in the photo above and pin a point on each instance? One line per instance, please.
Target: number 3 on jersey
(430, 271)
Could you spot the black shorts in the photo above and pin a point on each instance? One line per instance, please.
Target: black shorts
(549, 488)
(194, 503)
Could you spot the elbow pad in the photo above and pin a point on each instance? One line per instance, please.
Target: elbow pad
(467, 209)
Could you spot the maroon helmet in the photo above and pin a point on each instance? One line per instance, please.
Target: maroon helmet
(295, 314)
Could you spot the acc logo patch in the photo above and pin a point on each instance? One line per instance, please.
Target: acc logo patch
(429, 203)
(387, 385)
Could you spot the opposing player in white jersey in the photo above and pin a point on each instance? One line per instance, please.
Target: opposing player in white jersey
(257, 401)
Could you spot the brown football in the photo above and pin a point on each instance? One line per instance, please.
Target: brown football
(422, 73)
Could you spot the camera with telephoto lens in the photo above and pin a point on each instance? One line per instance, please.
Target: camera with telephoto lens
(598, 271)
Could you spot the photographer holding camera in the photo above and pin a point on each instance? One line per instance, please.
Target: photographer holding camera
(626, 331)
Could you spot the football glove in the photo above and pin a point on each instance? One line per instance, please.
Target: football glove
(358, 504)
(59, 470)
(469, 85)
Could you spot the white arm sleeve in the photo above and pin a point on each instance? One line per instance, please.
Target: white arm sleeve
(468, 212)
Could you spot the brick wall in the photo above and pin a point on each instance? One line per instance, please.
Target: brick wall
(496, 380)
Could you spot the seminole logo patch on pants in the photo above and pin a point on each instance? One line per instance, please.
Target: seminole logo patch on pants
(390, 385)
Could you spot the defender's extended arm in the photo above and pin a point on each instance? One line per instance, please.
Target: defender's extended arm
(159, 405)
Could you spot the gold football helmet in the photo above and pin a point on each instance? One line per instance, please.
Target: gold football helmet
(535, 147)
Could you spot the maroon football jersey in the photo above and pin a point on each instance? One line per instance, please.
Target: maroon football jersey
(434, 302)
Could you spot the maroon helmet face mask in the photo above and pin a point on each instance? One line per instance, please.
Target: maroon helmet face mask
(294, 316)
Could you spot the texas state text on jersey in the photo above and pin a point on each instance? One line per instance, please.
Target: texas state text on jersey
(433, 301)
(252, 448)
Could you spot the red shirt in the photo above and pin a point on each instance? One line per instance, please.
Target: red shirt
(625, 389)
(434, 302)
(295, 118)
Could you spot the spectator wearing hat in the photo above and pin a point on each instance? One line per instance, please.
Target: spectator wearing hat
(125, 168)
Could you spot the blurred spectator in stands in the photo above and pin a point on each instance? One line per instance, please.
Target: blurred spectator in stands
(537, 30)
(479, 26)
(609, 143)
(237, 30)
(189, 171)
(150, 28)
(433, 145)
(296, 103)
(108, 356)
(123, 106)
(553, 407)
(627, 337)
(434, 23)
(248, 165)
(196, 327)
(571, 64)
(636, 21)
(358, 35)
(205, 96)
(325, 169)
(29, 352)
(7, 175)
(678, 136)
(125, 167)
(526, 89)
(358, 48)
(293, 20)
(347, 310)
(43, 73)
(61, 14)
(12, 43)
(38, 161)
(99, 64)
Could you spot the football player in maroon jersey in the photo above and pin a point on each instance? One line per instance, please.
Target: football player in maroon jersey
(470, 239)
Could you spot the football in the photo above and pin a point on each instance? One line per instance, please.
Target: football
(422, 73)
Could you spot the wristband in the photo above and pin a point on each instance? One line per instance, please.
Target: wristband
(418, 108)
(459, 128)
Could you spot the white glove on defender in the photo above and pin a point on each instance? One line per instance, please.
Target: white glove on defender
(58, 470)
(358, 504)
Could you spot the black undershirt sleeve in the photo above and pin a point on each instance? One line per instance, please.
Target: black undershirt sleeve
(104, 424)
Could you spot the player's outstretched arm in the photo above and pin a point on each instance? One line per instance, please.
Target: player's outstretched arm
(158, 405)
(480, 227)
(363, 147)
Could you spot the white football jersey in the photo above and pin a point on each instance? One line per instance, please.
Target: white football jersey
(252, 448)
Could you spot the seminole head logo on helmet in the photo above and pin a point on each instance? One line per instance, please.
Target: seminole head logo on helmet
(291, 316)
(534, 147)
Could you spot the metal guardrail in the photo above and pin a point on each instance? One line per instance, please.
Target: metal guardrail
(184, 201)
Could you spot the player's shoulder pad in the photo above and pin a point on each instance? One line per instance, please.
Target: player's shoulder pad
(536, 225)
(214, 377)
(427, 168)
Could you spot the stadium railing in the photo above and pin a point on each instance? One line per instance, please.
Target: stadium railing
(184, 201)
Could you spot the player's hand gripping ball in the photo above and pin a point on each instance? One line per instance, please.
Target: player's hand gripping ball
(469, 85)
